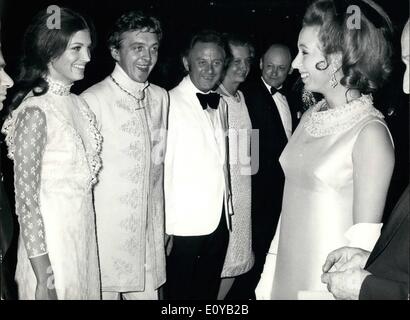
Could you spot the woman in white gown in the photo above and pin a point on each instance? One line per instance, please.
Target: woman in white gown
(239, 257)
(339, 161)
(52, 138)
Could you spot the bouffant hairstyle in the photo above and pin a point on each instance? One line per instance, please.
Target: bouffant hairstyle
(42, 44)
(131, 21)
(366, 51)
(235, 39)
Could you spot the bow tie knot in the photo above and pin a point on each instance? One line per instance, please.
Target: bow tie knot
(208, 100)
(273, 90)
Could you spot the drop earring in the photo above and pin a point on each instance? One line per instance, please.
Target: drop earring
(333, 80)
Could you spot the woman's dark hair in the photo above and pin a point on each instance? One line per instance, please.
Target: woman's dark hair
(366, 50)
(130, 21)
(41, 44)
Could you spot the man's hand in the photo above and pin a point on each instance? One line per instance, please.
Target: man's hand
(345, 258)
(345, 285)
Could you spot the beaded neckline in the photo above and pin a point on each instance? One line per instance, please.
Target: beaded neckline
(337, 120)
(58, 87)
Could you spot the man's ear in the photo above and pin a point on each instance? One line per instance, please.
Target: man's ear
(261, 64)
(185, 62)
(115, 54)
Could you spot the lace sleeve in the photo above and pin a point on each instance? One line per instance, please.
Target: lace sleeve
(30, 139)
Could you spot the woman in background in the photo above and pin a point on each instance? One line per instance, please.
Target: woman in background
(239, 257)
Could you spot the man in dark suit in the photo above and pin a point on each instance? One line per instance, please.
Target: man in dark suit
(271, 116)
(353, 273)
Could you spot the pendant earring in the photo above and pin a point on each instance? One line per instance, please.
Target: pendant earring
(333, 80)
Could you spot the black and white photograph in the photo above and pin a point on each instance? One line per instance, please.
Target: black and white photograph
(200, 156)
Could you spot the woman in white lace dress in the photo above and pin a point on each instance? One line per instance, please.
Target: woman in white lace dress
(55, 146)
(339, 161)
(239, 257)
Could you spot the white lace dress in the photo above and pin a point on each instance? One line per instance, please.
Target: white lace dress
(239, 257)
(55, 147)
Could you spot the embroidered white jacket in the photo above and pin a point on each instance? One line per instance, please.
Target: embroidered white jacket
(129, 198)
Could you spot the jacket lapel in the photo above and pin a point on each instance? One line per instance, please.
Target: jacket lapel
(203, 121)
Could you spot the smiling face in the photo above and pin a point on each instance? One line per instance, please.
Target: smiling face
(309, 54)
(405, 38)
(137, 54)
(5, 81)
(240, 65)
(205, 64)
(275, 66)
(70, 66)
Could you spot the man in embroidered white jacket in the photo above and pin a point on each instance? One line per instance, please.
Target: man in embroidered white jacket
(129, 199)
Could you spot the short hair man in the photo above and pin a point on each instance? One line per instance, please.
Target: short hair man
(383, 274)
(271, 116)
(195, 174)
(129, 202)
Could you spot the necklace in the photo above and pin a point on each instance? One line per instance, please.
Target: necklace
(139, 97)
(235, 96)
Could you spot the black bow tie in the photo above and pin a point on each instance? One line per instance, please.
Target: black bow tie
(273, 90)
(208, 100)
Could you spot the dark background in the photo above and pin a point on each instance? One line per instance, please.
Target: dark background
(263, 21)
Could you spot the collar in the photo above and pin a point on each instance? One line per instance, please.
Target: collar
(127, 84)
(337, 120)
(268, 86)
(224, 92)
(192, 88)
(58, 87)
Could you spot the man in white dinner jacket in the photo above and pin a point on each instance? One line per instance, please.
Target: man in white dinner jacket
(197, 192)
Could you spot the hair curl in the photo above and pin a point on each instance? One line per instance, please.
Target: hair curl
(366, 52)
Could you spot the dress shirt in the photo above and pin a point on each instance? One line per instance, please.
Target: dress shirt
(283, 108)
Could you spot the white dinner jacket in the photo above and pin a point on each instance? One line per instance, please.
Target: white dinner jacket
(194, 165)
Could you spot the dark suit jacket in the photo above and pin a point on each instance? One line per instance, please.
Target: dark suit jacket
(389, 261)
(268, 182)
